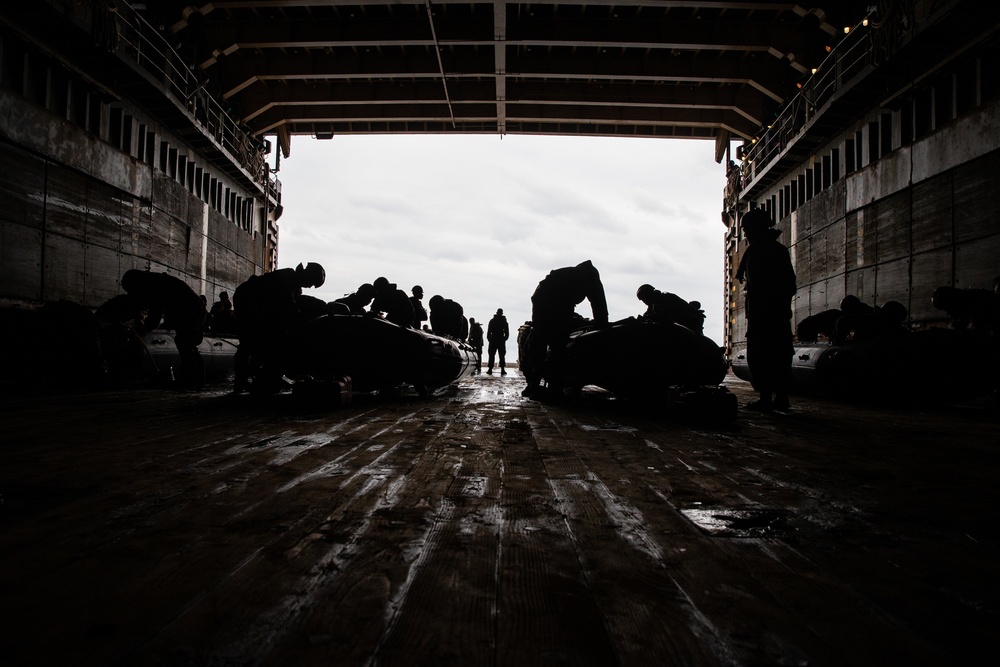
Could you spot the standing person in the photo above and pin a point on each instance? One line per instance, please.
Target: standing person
(419, 312)
(267, 311)
(181, 309)
(770, 285)
(552, 319)
(476, 341)
(497, 334)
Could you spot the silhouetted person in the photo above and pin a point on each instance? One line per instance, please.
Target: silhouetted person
(311, 307)
(890, 320)
(476, 342)
(392, 301)
(979, 308)
(355, 302)
(553, 317)
(497, 334)
(181, 309)
(448, 318)
(666, 307)
(267, 311)
(856, 322)
(770, 285)
(419, 312)
(68, 335)
(223, 318)
(206, 323)
(523, 334)
(825, 323)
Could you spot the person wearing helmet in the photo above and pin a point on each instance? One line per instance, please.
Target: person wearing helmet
(310, 275)
(267, 311)
(419, 312)
(497, 334)
(553, 317)
(668, 308)
(766, 268)
(392, 301)
(355, 302)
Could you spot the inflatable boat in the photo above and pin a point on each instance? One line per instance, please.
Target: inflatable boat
(162, 360)
(377, 354)
(634, 358)
(936, 364)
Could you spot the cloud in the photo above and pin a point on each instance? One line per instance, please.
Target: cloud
(482, 220)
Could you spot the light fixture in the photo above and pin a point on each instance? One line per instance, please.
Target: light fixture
(814, 70)
(847, 29)
(865, 23)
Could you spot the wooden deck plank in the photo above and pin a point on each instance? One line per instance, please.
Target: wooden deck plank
(477, 527)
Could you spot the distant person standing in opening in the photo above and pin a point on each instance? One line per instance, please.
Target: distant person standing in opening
(497, 334)
(476, 341)
(770, 285)
(419, 312)
(552, 319)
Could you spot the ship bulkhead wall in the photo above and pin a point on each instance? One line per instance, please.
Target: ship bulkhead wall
(79, 211)
(922, 216)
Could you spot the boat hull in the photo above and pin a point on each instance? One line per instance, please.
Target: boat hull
(377, 354)
(936, 364)
(634, 358)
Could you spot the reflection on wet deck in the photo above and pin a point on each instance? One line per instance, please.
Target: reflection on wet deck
(480, 528)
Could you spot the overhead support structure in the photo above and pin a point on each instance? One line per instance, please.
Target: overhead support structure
(694, 69)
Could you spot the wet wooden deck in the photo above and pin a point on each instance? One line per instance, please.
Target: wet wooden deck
(480, 528)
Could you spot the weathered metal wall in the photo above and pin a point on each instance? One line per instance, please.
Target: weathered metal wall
(945, 231)
(923, 216)
(78, 213)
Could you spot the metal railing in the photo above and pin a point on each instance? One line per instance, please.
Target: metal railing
(122, 31)
(852, 56)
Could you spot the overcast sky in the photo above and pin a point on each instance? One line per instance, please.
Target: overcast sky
(482, 219)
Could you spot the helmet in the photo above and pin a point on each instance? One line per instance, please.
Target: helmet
(894, 310)
(311, 275)
(644, 292)
(755, 220)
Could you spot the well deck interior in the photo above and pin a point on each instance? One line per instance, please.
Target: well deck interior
(477, 527)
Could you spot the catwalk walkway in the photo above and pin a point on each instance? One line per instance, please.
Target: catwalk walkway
(480, 528)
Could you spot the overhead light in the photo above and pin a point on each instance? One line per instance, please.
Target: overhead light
(814, 70)
(865, 23)
(847, 29)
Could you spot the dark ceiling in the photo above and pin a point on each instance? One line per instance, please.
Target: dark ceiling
(708, 70)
